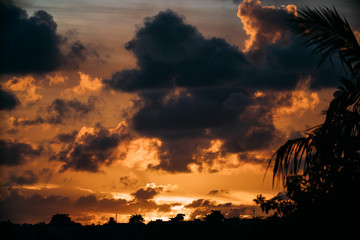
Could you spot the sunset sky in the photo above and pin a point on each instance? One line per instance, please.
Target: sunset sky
(152, 107)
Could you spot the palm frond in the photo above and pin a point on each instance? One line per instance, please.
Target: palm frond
(329, 34)
(290, 158)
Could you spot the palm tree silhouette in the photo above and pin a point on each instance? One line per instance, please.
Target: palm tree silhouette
(136, 219)
(324, 165)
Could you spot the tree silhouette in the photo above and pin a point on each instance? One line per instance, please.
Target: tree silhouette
(112, 221)
(214, 216)
(178, 218)
(136, 219)
(281, 207)
(318, 170)
(60, 220)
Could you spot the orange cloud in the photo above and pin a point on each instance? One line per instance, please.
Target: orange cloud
(24, 88)
(142, 152)
(263, 24)
(214, 158)
(56, 79)
(86, 84)
(302, 99)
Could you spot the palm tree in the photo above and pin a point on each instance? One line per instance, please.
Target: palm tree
(136, 219)
(326, 162)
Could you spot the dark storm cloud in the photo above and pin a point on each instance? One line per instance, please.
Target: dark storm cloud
(280, 57)
(177, 154)
(146, 193)
(14, 153)
(264, 24)
(27, 178)
(193, 89)
(189, 110)
(284, 65)
(8, 100)
(187, 86)
(60, 110)
(173, 53)
(91, 150)
(32, 44)
(187, 121)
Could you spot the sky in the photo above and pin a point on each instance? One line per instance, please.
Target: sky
(113, 108)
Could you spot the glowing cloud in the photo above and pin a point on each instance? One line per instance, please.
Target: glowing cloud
(302, 99)
(142, 153)
(86, 84)
(24, 88)
(263, 24)
(56, 79)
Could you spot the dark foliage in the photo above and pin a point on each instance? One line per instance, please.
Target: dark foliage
(61, 227)
(214, 216)
(322, 169)
(136, 219)
(61, 220)
(178, 218)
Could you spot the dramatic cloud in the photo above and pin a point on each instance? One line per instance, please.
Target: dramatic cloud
(173, 53)
(87, 84)
(188, 120)
(282, 59)
(301, 100)
(32, 44)
(60, 110)
(90, 148)
(8, 100)
(193, 89)
(264, 25)
(14, 153)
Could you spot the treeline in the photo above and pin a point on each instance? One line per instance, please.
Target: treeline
(213, 226)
